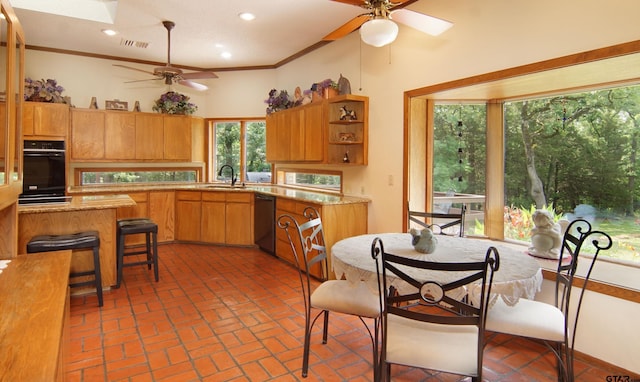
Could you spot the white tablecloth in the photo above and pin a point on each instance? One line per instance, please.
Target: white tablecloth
(519, 274)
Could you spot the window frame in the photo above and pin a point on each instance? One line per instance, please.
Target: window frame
(213, 166)
(547, 78)
(77, 173)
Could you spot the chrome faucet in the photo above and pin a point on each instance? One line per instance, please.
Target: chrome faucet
(234, 178)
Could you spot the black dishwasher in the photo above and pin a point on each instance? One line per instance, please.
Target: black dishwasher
(264, 221)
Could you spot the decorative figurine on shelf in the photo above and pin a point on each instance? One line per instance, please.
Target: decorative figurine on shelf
(423, 241)
(136, 106)
(346, 114)
(94, 103)
(546, 236)
(344, 86)
(345, 159)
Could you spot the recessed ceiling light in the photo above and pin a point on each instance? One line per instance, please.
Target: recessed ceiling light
(226, 55)
(109, 32)
(247, 16)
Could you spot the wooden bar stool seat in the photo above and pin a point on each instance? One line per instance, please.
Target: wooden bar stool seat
(131, 227)
(80, 240)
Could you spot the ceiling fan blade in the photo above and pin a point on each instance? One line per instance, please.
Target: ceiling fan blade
(424, 23)
(347, 28)
(357, 3)
(149, 79)
(193, 85)
(129, 67)
(198, 75)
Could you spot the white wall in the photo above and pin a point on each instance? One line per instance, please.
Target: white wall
(489, 35)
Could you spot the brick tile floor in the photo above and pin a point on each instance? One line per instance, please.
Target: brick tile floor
(235, 314)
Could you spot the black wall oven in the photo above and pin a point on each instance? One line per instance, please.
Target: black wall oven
(44, 173)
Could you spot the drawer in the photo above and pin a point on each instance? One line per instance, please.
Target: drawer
(188, 195)
(286, 205)
(239, 197)
(214, 196)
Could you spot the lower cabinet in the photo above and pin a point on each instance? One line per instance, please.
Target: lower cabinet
(339, 221)
(155, 205)
(214, 217)
(188, 215)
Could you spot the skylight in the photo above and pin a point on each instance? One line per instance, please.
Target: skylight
(103, 11)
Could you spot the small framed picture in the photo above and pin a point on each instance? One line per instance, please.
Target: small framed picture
(116, 105)
(347, 137)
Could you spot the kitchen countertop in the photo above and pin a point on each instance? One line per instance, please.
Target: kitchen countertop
(79, 203)
(278, 191)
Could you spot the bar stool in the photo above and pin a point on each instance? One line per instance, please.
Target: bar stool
(80, 240)
(131, 227)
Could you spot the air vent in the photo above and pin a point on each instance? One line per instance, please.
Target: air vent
(134, 44)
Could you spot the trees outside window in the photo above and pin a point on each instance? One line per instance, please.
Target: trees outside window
(575, 154)
(242, 145)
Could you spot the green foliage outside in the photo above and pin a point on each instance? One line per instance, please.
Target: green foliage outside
(560, 151)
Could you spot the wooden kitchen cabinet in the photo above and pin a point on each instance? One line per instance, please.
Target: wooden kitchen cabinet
(119, 135)
(149, 136)
(87, 134)
(315, 132)
(339, 221)
(177, 138)
(277, 136)
(42, 120)
(239, 218)
(162, 212)
(158, 206)
(214, 217)
(213, 226)
(108, 136)
(188, 215)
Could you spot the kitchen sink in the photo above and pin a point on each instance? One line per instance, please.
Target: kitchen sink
(225, 186)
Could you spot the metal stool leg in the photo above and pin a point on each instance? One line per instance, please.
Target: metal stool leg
(98, 277)
(155, 256)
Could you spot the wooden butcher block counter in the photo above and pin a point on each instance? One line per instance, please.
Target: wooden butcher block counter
(34, 317)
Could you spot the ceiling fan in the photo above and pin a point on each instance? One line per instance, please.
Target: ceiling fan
(171, 74)
(377, 26)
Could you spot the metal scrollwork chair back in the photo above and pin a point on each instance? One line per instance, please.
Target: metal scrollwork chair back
(306, 239)
(438, 222)
(556, 324)
(433, 324)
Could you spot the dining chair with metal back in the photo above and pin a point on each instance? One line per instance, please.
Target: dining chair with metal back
(555, 324)
(440, 223)
(340, 296)
(432, 325)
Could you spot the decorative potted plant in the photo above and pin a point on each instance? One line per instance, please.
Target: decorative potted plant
(174, 103)
(43, 91)
(326, 88)
(278, 101)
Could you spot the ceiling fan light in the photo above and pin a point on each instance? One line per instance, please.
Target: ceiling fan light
(379, 32)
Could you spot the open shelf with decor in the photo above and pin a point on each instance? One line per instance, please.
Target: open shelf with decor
(348, 130)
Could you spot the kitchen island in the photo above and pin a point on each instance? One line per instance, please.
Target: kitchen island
(82, 213)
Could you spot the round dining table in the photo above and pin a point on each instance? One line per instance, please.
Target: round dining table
(519, 274)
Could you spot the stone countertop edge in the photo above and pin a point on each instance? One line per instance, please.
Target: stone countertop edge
(80, 203)
(278, 191)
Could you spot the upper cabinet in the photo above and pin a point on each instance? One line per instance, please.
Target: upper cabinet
(334, 131)
(43, 120)
(111, 136)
